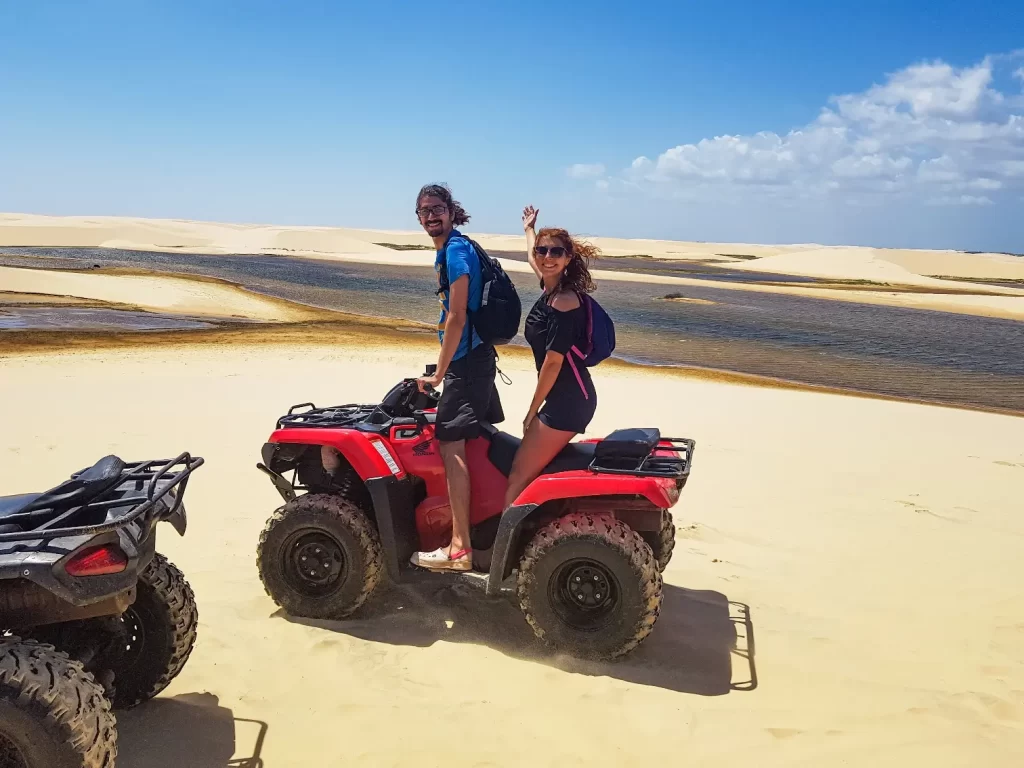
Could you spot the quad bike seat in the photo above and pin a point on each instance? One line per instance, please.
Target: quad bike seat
(100, 477)
(10, 505)
(623, 444)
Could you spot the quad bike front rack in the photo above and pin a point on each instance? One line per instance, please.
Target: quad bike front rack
(332, 417)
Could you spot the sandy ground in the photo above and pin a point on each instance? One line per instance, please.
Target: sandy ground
(845, 590)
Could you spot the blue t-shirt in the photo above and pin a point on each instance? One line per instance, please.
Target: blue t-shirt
(461, 260)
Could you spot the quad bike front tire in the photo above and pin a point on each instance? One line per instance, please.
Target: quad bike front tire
(53, 714)
(319, 557)
(589, 585)
(662, 541)
(160, 632)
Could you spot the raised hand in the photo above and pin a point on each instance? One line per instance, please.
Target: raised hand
(529, 217)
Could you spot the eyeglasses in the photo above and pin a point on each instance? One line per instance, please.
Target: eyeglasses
(428, 210)
(556, 251)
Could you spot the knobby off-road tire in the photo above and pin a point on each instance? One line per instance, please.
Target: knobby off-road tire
(161, 625)
(577, 549)
(663, 541)
(53, 713)
(319, 557)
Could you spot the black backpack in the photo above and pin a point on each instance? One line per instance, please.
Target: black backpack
(496, 322)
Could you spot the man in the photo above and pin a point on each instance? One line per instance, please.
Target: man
(466, 365)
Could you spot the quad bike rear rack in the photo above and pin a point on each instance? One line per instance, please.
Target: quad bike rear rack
(145, 474)
(653, 465)
(332, 417)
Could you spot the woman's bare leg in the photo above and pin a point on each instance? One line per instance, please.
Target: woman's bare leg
(540, 445)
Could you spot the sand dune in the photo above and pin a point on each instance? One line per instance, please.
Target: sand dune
(845, 589)
(839, 263)
(184, 296)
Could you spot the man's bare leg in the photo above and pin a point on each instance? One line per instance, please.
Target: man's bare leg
(330, 458)
(457, 472)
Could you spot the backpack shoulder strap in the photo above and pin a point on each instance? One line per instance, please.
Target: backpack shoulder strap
(585, 302)
(443, 271)
(482, 256)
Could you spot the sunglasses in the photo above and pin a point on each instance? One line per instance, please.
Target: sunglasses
(556, 251)
(436, 210)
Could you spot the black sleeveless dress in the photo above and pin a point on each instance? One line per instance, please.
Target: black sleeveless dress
(571, 403)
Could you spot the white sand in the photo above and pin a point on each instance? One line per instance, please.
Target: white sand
(877, 545)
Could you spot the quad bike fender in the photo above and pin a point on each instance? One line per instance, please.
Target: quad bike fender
(178, 520)
(393, 505)
(369, 455)
(652, 494)
(505, 544)
(661, 492)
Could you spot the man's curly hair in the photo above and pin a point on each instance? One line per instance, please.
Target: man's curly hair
(459, 215)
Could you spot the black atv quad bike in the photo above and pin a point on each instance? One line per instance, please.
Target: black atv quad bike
(111, 621)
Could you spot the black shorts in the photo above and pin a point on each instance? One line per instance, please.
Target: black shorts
(469, 396)
(565, 408)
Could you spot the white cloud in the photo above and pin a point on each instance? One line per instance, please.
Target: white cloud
(586, 170)
(987, 184)
(931, 132)
(961, 200)
(1019, 74)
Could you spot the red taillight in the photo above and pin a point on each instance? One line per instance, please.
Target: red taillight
(97, 561)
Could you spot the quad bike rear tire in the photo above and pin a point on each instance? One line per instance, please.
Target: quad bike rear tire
(319, 557)
(53, 713)
(161, 628)
(663, 541)
(589, 585)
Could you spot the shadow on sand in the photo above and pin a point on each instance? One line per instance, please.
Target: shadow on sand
(190, 730)
(692, 648)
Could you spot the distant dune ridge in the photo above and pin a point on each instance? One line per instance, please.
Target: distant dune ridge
(850, 262)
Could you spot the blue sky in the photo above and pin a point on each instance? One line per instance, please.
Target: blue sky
(643, 119)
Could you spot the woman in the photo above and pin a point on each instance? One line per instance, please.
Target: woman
(564, 400)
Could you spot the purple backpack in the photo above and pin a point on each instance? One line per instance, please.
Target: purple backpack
(599, 341)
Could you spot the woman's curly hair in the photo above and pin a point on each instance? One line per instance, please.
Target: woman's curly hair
(576, 277)
(459, 215)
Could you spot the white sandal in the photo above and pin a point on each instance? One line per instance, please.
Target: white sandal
(440, 560)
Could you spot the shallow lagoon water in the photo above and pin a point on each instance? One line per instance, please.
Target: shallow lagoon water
(89, 319)
(921, 354)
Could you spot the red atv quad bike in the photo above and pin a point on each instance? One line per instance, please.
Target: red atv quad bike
(582, 547)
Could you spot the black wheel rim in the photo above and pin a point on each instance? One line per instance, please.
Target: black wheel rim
(314, 563)
(584, 594)
(133, 639)
(10, 755)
